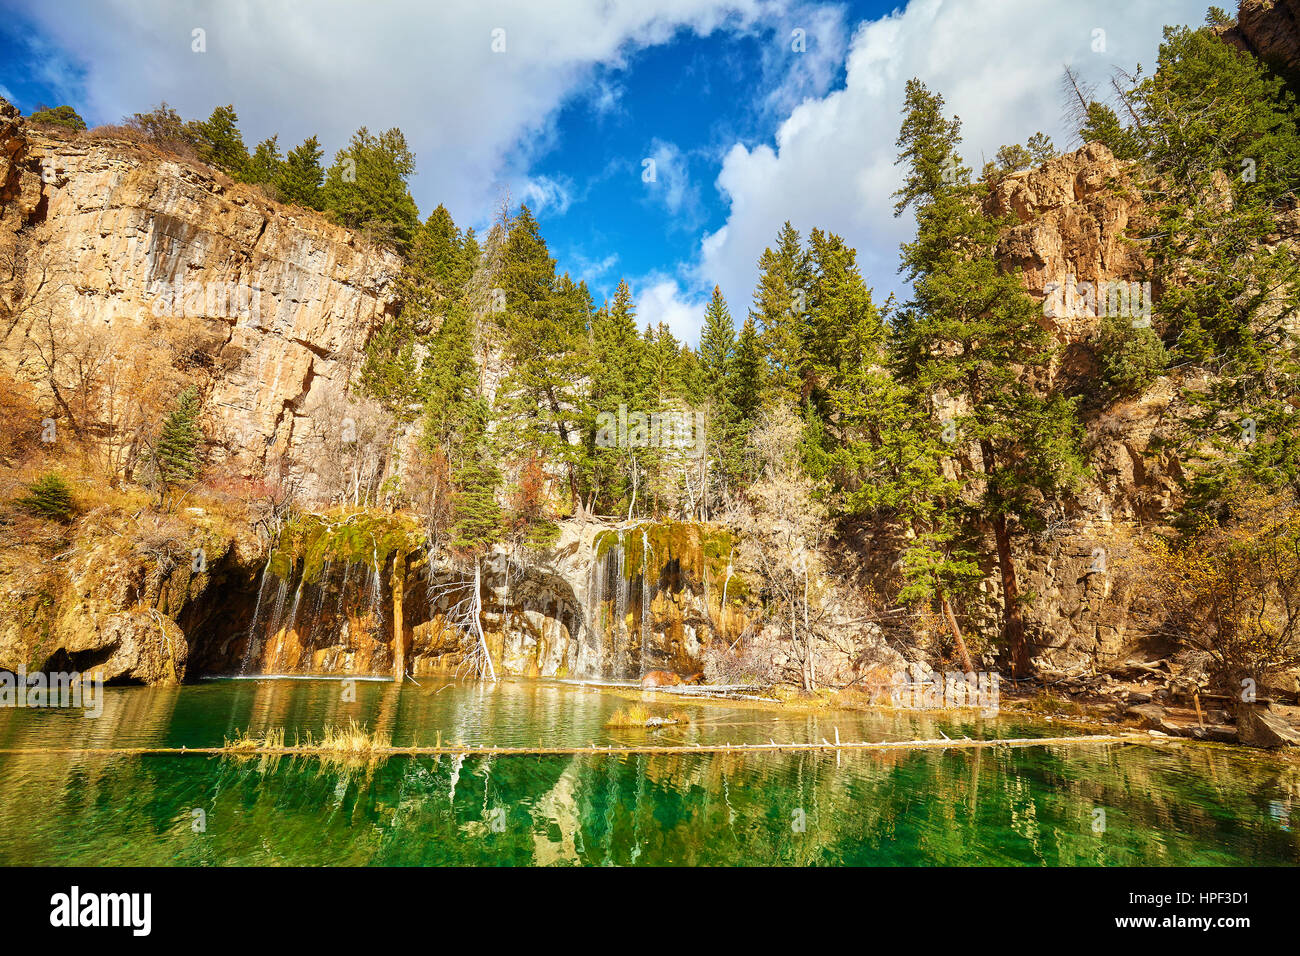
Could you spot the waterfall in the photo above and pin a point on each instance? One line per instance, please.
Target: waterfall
(592, 636)
(291, 623)
(618, 653)
(252, 625)
(647, 554)
(322, 588)
(274, 627)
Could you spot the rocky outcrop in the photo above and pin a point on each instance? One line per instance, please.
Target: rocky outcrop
(1270, 30)
(1258, 725)
(280, 301)
(114, 595)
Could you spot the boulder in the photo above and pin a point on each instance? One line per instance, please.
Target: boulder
(1258, 725)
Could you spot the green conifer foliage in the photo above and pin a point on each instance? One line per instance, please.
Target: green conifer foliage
(780, 302)
(220, 143)
(49, 496)
(177, 451)
(64, 116)
(265, 166)
(302, 174)
(366, 188)
(968, 334)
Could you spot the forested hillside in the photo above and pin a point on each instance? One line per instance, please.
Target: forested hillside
(917, 463)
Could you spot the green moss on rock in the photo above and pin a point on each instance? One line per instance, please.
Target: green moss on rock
(308, 542)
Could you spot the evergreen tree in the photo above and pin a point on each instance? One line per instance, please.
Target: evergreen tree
(545, 330)
(301, 175)
(1101, 125)
(429, 286)
(266, 164)
(453, 407)
(1223, 148)
(49, 496)
(1131, 357)
(748, 381)
(780, 302)
(64, 116)
(717, 346)
(477, 514)
(968, 334)
(838, 301)
(614, 371)
(177, 451)
(220, 143)
(366, 188)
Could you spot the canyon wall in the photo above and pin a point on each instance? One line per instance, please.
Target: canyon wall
(279, 300)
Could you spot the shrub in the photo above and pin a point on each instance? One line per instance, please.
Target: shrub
(64, 116)
(1131, 358)
(1232, 589)
(49, 496)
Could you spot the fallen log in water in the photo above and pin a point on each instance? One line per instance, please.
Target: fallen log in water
(963, 743)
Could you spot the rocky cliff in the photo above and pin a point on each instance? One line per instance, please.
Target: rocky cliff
(279, 300)
(1077, 244)
(1270, 30)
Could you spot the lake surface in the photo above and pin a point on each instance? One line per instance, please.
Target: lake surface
(1054, 805)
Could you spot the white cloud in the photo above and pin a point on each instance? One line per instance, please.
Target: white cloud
(808, 45)
(661, 299)
(672, 187)
(546, 194)
(592, 269)
(474, 117)
(605, 97)
(998, 65)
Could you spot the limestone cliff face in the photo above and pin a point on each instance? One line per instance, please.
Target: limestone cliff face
(280, 299)
(1077, 215)
(1077, 244)
(1269, 29)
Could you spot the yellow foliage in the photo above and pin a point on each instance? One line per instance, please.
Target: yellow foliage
(1232, 590)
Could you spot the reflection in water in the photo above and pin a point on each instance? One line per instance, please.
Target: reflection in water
(1170, 806)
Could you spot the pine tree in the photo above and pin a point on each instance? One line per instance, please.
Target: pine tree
(780, 302)
(614, 370)
(1101, 125)
(747, 380)
(49, 496)
(838, 301)
(366, 188)
(302, 174)
(968, 333)
(64, 116)
(717, 346)
(544, 326)
(438, 255)
(478, 518)
(177, 451)
(265, 165)
(220, 143)
(1220, 138)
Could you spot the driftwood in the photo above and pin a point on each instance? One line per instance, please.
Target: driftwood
(484, 750)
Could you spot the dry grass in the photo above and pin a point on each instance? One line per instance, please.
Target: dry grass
(640, 717)
(354, 740)
(341, 747)
(245, 742)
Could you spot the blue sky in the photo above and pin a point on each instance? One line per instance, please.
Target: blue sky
(745, 128)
